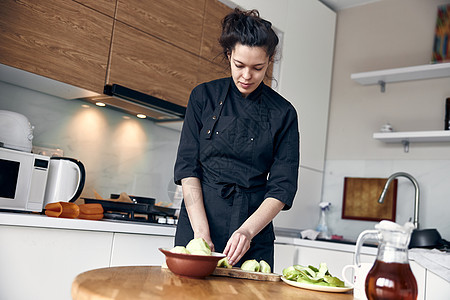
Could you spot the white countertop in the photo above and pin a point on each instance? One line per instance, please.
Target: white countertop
(42, 221)
(324, 245)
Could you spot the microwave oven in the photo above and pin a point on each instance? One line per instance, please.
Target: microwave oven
(23, 178)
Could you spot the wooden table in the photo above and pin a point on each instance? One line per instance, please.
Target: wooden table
(145, 282)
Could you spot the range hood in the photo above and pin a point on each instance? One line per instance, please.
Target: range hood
(115, 96)
(133, 102)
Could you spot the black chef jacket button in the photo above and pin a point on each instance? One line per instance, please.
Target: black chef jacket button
(208, 132)
(251, 139)
(217, 132)
(221, 102)
(214, 117)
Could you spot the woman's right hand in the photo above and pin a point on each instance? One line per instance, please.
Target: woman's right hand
(237, 246)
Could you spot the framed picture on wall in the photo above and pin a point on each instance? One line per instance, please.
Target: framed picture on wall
(360, 201)
(441, 47)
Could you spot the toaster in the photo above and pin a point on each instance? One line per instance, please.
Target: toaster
(16, 131)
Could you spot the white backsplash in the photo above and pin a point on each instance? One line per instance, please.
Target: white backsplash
(120, 154)
(433, 177)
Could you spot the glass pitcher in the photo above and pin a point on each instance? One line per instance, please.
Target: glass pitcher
(391, 276)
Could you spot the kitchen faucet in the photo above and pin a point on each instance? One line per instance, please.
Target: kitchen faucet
(416, 186)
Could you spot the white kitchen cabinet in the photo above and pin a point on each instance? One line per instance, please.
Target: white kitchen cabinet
(45, 254)
(305, 73)
(437, 287)
(420, 274)
(335, 260)
(138, 249)
(285, 256)
(41, 263)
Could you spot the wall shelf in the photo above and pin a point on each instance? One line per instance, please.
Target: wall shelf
(413, 136)
(382, 77)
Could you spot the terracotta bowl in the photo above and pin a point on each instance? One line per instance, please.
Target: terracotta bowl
(191, 265)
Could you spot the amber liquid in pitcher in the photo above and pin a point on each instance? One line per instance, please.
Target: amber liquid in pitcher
(391, 281)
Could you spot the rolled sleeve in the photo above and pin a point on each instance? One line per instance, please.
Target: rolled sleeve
(187, 163)
(283, 176)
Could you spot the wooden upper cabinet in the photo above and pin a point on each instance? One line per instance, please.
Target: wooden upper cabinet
(210, 49)
(208, 71)
(142, 62)
(177, 22)
(108, 7)
(58, 39)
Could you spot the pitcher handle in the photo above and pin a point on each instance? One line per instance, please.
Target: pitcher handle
(366, 234)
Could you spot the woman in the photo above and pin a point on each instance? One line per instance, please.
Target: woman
(238, 155)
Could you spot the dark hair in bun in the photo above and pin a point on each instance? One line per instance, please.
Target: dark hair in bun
(248, 29)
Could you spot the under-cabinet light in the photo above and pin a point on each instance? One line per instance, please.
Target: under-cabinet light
(134, 102)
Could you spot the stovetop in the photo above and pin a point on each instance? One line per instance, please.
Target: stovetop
(143, 210)
(129, 217)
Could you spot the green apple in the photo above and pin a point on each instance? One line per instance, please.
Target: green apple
(198, 246)
(251, 265)
(265, 267)
(180, 249)
(223, 263)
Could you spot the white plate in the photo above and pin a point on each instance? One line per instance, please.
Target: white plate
(321, 288)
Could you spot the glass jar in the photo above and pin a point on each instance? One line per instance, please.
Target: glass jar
(391, 276)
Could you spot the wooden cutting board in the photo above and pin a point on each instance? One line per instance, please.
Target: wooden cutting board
(238, 273)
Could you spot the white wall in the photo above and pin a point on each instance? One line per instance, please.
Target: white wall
(383, 35)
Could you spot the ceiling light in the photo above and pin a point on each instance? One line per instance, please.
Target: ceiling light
(141, 116)
(100, 104)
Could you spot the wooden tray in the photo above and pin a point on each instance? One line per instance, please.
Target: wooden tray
(361, 199)
(238, 273)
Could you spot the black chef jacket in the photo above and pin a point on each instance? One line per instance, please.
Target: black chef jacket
(243, 150)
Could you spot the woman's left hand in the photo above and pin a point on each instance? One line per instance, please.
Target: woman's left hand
(237, 246)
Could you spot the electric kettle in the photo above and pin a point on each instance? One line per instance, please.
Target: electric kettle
(66, 177)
